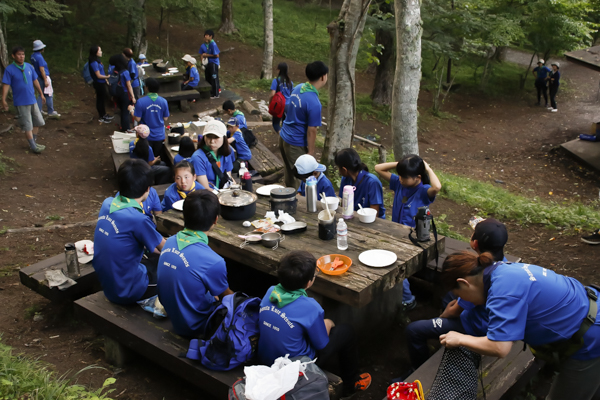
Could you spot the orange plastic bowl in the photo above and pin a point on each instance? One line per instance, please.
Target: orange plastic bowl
(324, 264)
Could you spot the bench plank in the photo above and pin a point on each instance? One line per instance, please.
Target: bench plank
(264, 161)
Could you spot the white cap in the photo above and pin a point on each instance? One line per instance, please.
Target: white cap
(306, 164)
(142, 56)
(189, 58)
(38, 45)
(215, 127)
(541, 60)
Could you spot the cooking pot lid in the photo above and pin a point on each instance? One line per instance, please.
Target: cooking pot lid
(283, 193)
(236, 198)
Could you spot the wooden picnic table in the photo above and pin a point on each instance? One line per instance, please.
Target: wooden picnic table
(358, 287)
(168, 83)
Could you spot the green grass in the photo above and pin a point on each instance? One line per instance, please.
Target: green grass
(367, 109)
(54, 217)
(257, 85)
(7, 164)
(31, 311)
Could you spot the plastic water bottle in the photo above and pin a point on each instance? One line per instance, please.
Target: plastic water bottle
(242, 170)
(342, 235)
(311, 194)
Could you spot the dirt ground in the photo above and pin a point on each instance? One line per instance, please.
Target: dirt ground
(506, 139)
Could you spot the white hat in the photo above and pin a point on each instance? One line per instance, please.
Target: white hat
(306, 164)
(215, 127)
(142, 56)
(38, 45)
(189, 58)
(541, 60)
(556, 63)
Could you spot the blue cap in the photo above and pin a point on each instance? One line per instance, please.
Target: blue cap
(233, 121)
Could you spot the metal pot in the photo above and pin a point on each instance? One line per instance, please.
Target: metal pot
(272, 239)
(161, 67)
(283, 199)
(156, 62)
(174, 138)
(237, 204)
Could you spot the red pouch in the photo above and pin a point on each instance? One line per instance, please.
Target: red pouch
(405, 391)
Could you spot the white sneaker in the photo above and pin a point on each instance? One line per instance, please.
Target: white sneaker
(550, 108)
(44, 113)
(54, 115)
(554, 110)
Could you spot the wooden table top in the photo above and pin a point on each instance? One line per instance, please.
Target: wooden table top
(357, 287)
(152, 73)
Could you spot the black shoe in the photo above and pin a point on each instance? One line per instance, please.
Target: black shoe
(409, 306)
(593, 239)
(108, 117)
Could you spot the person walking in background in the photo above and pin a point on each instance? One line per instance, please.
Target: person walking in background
(554, 79)
(22, 80)
(541, 84)
(41, 68)
(100, 83)
(133, 73)
(210, 59)
(282, 84)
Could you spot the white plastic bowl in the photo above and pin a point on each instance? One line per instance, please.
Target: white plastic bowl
(332, 201)
(367, 215)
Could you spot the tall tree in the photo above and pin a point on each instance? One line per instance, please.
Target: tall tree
(135, 10)
(267, 64)
(407, 78)
(382, 21)
(344, 37)
(227, 25)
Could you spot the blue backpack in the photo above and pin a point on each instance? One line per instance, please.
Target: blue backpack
(232, 332)
(86, 74)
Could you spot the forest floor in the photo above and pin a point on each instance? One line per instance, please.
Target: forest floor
(504, 139)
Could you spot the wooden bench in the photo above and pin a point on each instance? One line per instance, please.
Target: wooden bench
(204, 89)
(182, 97)
(129, 328)
(267, 164)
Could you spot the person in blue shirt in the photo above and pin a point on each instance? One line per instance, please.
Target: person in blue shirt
(192, 77)
(236, 140)
(541, 84)
(369, 190)
(186, 150)
(41, 68)
(210, 59)
(100, 83)
(123, 233)
(229, 108)
(553, 83)
(140, 148)
(185, 183)
(282, 84)
(292, 323)
(132, 68)
(125, 95)
(153, 111)
(302, 118)
(190, 274)
(151, 206)
(306, 166)
(22, 79)
(555, 315)
(212, 161)
(142, 60)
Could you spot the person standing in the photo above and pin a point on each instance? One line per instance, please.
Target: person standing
(41, 69)
(100, 83)
(124, 95)
(554, 79)
(210, 59)
(153, 110)
(22, 80)
(303, 116)
(132, 68)
(282, 84)
(541, 84)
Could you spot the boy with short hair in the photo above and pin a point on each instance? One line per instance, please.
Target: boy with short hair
(41, 68)
(210, 51)
(307, 166)
(190, 274)
(191, 72)
(153, 110)
(230, 109)
(292, 323)
(236, 140)
(122, 234)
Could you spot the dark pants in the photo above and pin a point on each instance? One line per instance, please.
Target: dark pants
(418, 332)
(342, 345)
(123, 101)
(187, 87)
(159, 149)
(277, 122)
(151, 264)
(162, 174)
(101, 96)
(137, 92)
(211, 74)
(553, 91)
(542, 88)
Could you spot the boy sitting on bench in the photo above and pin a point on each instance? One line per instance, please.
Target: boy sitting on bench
(191, 274)
(292, 323)
(122, 233)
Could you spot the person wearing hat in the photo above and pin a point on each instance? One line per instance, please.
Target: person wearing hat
(192, 77)
(554, 83)
(153, 110)
(41, 68)
(306, 166)
(212, 162)
(541, 84)
(237, 141)
(140, 148)
(142, 60)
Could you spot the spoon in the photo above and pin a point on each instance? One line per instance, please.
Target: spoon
(326, 205)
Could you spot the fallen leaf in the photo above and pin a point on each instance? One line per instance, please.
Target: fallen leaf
(30, 196)
(551, 239)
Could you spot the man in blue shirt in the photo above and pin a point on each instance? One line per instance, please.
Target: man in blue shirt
(123, 234)
(41, 68)
(153, 111)
(302, 118)
(190, 273)
(22, 79)
(541, 72)
(210, 59)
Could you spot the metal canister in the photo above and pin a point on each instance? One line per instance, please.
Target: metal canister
(72, 260)
(283, 199)
(311, 194)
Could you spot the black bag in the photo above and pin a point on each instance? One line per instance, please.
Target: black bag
(114, 84)
(223, 177)
(249, 137)
(456, 378)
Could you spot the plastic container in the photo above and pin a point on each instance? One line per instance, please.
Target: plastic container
(120, 141)
(72, 260)
(367, 215)
(342, 235)
(247, 182)
(311, 194)
(348, 201)
(324, 264)
(332, 201)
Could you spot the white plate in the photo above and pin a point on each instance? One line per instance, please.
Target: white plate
(178, 205)
(82, 256)
(377, 258)
(175, 148)
(266, 190)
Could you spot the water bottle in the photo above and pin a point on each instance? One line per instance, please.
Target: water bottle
(311, 194)
(348, 201)
(242, 170)
(72, 260)
(342, 235)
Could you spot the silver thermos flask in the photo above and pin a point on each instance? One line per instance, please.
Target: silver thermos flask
(311, 194)
(72, 260)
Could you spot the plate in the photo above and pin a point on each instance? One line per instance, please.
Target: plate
(266, 190)
(377, 258)
(175, 148)
(85, 251)
(294, 227)
(178, 205)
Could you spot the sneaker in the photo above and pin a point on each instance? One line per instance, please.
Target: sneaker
(44, 113)
(594, 238)
(409, 305)
(104, 121)
(54, 115)
(362, 383)
(38, 148)
(108, 117)
(554, 110)
(549, 108)
(214, 97)
(130, 131)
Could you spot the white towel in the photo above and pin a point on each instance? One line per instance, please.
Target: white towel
(48, 89)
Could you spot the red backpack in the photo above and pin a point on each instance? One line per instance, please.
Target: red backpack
(277, 104)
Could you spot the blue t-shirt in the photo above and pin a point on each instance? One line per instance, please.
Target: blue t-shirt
(243, 151)
(194, 76)
(536, 305)
(404, 212)
(152, 203)
(369, 191)
(179, 158)
(285, 90)
(323, 185)
(213, 49)
(241, 118)
(123, 78)
(119, 242)
(202, 165)
(188, 281)
(301, 111)
(23, 93)
(542, 72)
(133, 73)
(153, 114)
(298, 329)
(37, 59)
(97, 66)
(171, 195)
(132, 154)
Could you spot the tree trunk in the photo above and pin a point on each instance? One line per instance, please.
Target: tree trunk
(227, 25)
(384, 74)
(137, 22)
(344, 38)
(3, 48)
(267, 64)
(407, 78)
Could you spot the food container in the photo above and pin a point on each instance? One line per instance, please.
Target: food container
(283, 199)
(160, 67)
(272, 240)
(251, 238)
(332, 201)
(174, 138)
(326, 226)
(325, 264)
(156, 62)
(237, 204)
(178, 129)
(367, 215)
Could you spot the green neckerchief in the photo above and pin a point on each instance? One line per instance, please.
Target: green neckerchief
(153, 96)
(217, 181)
(122, 202)
(282, 297)
(188, 236)
(237, 112)
(307, 87)
(22, 70)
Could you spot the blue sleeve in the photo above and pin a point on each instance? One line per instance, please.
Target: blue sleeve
(425, 199)
(317, 332)
(274, 84)
(215, 48)
(41, 62)
(215, 279)
(202, 49)
(150, 154)
(227, 163)
(375, 191)
(314, 112)
(126, 76)
(94, 65)
(154, 201)
(395, 184)
(138, 109)
(169, 198)
(508, 317)
(324, 185)
(464, 304)
(34, 74)
(177, 159)
(147, 234)
(6, 79)
(198, 163)
(302, 189)
(132, 68)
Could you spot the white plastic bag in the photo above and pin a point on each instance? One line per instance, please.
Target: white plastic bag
(270, 383)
